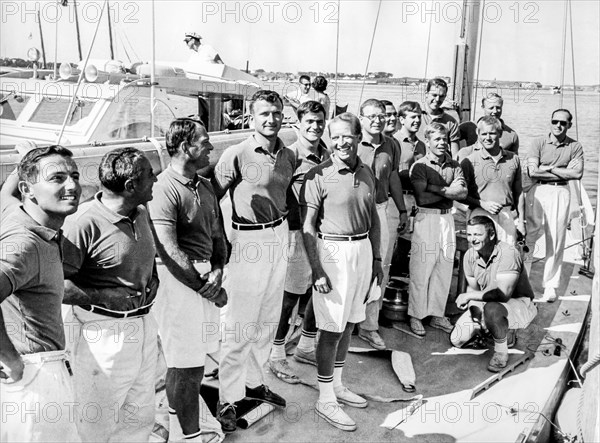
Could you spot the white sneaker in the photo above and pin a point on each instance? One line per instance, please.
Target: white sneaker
(548, 297)
(333, 413)
(346, 396)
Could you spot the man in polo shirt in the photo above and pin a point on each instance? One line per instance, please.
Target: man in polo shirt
(498, 294)
(381, 154)
(493, 177)
(391, 118)
(411, 148)
(438, 181)
(34, 368)
(492, 106)
(298, 96)
(341, 219)
(552, 161)
(433, 112)
(192, 250)
(310, 151)
(110, 278)
(257, 173)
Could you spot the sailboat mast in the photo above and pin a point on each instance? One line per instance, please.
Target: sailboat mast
(465, 58)
(77, 29)
(41, 38)
(112, 51)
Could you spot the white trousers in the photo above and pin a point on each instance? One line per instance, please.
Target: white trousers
(371, 322)
(40, 406)
(548, 214)
(114, 366)
(433, 246)
(254, 284)
(504, 221)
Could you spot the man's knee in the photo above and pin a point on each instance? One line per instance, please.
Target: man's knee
(495, 313)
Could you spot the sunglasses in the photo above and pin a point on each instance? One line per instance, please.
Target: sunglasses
(560, 122)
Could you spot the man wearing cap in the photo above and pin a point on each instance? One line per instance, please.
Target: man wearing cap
(111, 281)
(381, 154)
(191, 246)
(36, 375)
(552, 160)
(438, 181)
(257, 174)
(341, 235)
(492, 105)
(493, 177)
(499, 295)
(203, 53)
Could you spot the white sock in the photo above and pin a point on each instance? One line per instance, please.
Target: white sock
(337, 374)
(307, 342)
(326, 393)
(501, 345)
(278, 352)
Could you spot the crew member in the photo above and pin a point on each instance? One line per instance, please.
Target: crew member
(298, 96)
(202, 53)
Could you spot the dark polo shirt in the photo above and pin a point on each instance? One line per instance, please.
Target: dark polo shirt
(411, 149)
(344, 198)
(488, 180)
(306, 160)
(191, 207)
(384, 161)
(446, 173)
(31, 259)
(548, 151)
(446, 119)
(505, 259)
(104, 250)
(509, 141)
(257, 180)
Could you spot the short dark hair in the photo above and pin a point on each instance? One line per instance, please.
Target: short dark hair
(372, 102)
(438, 82)
(487, 222)
(304, 77)
(490, 120)
(181, 130)
(435, 127)
(386, 103)
(408, 106)
(118, 166)
(265, 95)
(350, 118)
(310, 106)
(492, 96)
(28, 167)
(319, 84)
(566, 111)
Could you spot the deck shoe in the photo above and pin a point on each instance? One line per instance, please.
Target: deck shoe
(263, 393)
(226, 415)
(511, 338)
(347, 397)
(373, 338)
(498, 361)
(417, 327)
(549, 295)
(333, 413)
(281, 368)
(308, 358)
(441, 323)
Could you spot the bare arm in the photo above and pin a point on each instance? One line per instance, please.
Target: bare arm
(423, 195)
(454, 148)
(9, 194)
(12, 364)
(375, 238)
(506, 284)
(118, 298)
(398, 197)
(456, 191)
(321, 281)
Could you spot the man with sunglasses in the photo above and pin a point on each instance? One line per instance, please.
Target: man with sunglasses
(34, 371)
(191, 246)
(111, 281)
(381, 154)
(298, 96)
(552, 161)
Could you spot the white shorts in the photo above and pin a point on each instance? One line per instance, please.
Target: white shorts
(521, 312)
(188, 324)
(349, 265)
(298, 277)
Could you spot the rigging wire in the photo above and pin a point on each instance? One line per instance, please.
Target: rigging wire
(362, 89)
(337, 58)
(562, 63)
(473, 102)
(429, 40)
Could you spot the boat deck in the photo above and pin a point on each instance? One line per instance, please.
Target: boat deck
(450, 409)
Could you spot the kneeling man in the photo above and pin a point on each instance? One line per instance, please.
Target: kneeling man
(497, 285)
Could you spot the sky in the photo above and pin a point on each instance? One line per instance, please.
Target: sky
(521, 40)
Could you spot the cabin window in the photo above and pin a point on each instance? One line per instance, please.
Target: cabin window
(12, 104)
(131, 119)
(52, 111)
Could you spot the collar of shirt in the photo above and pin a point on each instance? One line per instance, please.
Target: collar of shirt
(111, 215)
(433, 159)
(486, 155)
(187, 182)
(554, 141)
(342, 165)
(433, 116)
(406, 136)
(260, 142)
(306, 148)
(483, 264)
(43, 232)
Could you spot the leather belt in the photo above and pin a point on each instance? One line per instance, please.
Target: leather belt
(433, 210)
(256, 227)
(117, 314)
(408, 192)
(556, 183)
(334, 237)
